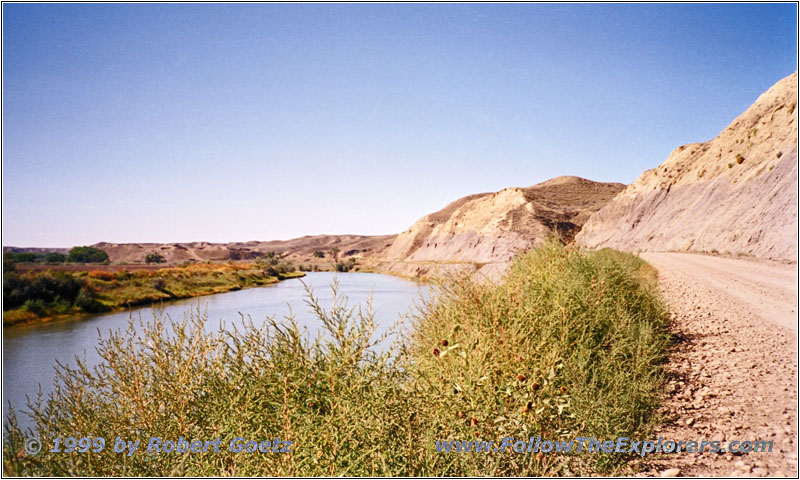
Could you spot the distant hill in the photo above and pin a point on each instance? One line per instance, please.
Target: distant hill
(298, 249)
(736, 193)
(480, 232)
(483, 232)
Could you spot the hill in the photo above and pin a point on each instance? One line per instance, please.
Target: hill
(483, 232)
(736, 193)
(298, 249)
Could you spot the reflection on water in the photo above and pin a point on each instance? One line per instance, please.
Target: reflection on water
(30, 353)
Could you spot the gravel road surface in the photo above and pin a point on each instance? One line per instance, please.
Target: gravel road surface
(733, 366)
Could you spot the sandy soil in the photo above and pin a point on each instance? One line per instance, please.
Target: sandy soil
(733, 367)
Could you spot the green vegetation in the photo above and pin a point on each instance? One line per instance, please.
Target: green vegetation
(31, 257)
(17, 289)
(779, 155)
(569, 344)
(54, 258)
(319, 254)
(275, 264)
(87, 255)
(730, 165)
(9, 264)
(25, 257)
(350, 264)
(41, 296)
(154, 257)
(739, 158)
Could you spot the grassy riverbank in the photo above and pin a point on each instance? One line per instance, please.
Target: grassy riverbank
(570, 344)
(42, 296)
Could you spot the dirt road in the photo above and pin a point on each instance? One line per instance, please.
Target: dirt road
(733, 368)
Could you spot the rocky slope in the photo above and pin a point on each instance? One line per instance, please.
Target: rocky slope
(483, 232)
(736, 193)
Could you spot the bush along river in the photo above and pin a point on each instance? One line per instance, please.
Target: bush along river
(30, 352)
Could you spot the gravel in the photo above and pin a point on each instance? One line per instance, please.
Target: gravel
(732, 372)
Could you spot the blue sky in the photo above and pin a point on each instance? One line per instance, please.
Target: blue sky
(208, 122)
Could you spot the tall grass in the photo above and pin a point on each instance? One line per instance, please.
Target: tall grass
(568, 345)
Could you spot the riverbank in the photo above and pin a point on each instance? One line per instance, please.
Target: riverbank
(538, 354)
(47, 296)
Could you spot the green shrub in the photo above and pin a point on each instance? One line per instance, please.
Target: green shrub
(55, 258)
(17, 289)
(25, 257)
(739, 158)
(346, 266)
(36, 307)
(60, 307)
(9, 264)
(13, 290)
(154, 257)
(87, 255)
(88, 302)
(159, 284)
(275, 267)
(569, 345)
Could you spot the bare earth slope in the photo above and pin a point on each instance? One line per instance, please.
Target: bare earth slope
(297, 249)
(733, 371)
(483, 232)
(736, 193)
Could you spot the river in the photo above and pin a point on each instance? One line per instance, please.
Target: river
(30, 352)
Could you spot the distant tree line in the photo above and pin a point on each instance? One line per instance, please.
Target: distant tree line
(87, 255)
(37, 257)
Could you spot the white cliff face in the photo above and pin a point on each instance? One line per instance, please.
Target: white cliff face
(485, 231)
(736, 193)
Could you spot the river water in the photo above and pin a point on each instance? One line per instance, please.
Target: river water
(30, 352)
